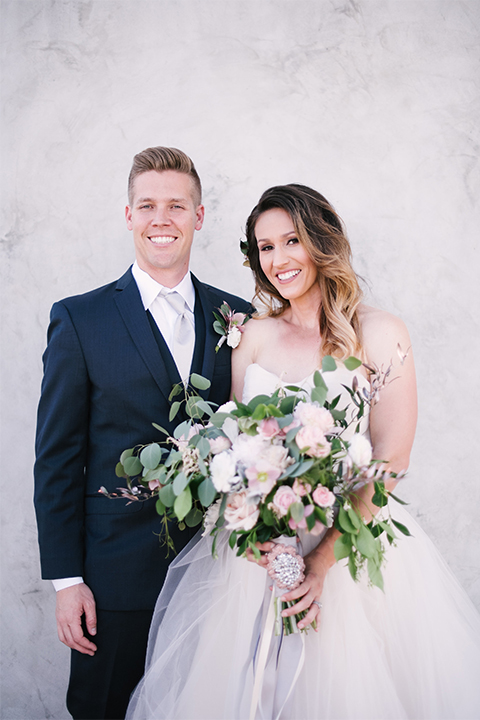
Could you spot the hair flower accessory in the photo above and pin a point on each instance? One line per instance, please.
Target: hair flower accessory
(230, 325)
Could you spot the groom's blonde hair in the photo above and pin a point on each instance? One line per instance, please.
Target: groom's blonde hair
(161, 159)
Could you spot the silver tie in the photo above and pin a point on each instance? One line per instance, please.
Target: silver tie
(183, 333)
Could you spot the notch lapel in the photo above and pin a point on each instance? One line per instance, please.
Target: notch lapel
(211, 338)
(129, 303)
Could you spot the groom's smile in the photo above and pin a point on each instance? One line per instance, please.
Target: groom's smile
(163, 216)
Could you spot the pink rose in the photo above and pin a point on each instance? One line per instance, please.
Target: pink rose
(269, 427)
(301, 489)
(323, 497)
(311, 440)
(240, 513)
(283, 498)
(262, 477)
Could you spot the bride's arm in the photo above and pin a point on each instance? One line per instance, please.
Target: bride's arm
(392, 428)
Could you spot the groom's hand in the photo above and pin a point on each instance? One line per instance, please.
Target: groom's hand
(72, 604)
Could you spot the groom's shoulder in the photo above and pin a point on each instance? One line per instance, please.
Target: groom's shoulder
(97, 296)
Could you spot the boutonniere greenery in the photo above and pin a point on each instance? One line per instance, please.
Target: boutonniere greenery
(230, 325)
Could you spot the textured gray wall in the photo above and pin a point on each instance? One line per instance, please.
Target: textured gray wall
(373, 102)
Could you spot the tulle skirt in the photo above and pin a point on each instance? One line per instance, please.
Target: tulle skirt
(410, 652)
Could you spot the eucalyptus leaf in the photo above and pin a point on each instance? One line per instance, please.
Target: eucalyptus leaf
(151, 456)
(160, 507)
(206, 492)
(132, 466)
(183, 504)
(291, 434)
(218, 327)
(166, 495)
(203, 447)
(180, 483)
(191, 407)
(319, 395)
(174, 410)
(302, 468)
(352, 363)
(194, 517)
(328, 364)
(296, 511)
(176, 390)
(119, 471)
(125, 454)
(199, 382)
(159, 427)
(205, 408)
(158, 473)
(182, 430)
(318, 380)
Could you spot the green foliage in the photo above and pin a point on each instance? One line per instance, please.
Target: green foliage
(352, 363)
(150, 456)
(328, 364)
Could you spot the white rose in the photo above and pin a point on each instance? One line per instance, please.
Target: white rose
(227, 407)
(247, 449)
(219, 444)
(222, 469)
(360, 450)
(233, 338)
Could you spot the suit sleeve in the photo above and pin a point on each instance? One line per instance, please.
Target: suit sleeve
(61, 450)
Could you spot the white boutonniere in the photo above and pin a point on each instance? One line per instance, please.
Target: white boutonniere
(230, 325)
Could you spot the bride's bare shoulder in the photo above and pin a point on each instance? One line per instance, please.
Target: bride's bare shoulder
(257, 332)
(381, 333)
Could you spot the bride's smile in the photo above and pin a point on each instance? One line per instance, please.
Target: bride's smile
(284, 259)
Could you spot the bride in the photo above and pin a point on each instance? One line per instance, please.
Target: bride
(410, 652)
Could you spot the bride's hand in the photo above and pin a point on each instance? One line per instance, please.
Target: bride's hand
(264, 549)
(310, 591)
(306, 593)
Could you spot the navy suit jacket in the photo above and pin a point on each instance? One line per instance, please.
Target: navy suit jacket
(107, 377)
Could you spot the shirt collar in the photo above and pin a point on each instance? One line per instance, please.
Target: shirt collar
(149, 288)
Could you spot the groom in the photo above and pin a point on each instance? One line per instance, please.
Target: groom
(113, 355)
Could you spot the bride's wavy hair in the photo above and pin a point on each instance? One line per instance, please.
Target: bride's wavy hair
(321, 232)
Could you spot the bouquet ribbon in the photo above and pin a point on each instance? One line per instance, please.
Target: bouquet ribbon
(274, 681)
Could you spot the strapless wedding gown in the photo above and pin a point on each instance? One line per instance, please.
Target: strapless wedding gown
(411, 652)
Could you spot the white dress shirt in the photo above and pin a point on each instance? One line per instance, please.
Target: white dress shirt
(165, 318)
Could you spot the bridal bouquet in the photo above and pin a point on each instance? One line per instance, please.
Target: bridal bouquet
(270, 468)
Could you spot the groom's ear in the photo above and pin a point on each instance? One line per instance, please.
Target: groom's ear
(128, 217)
(200, 213)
